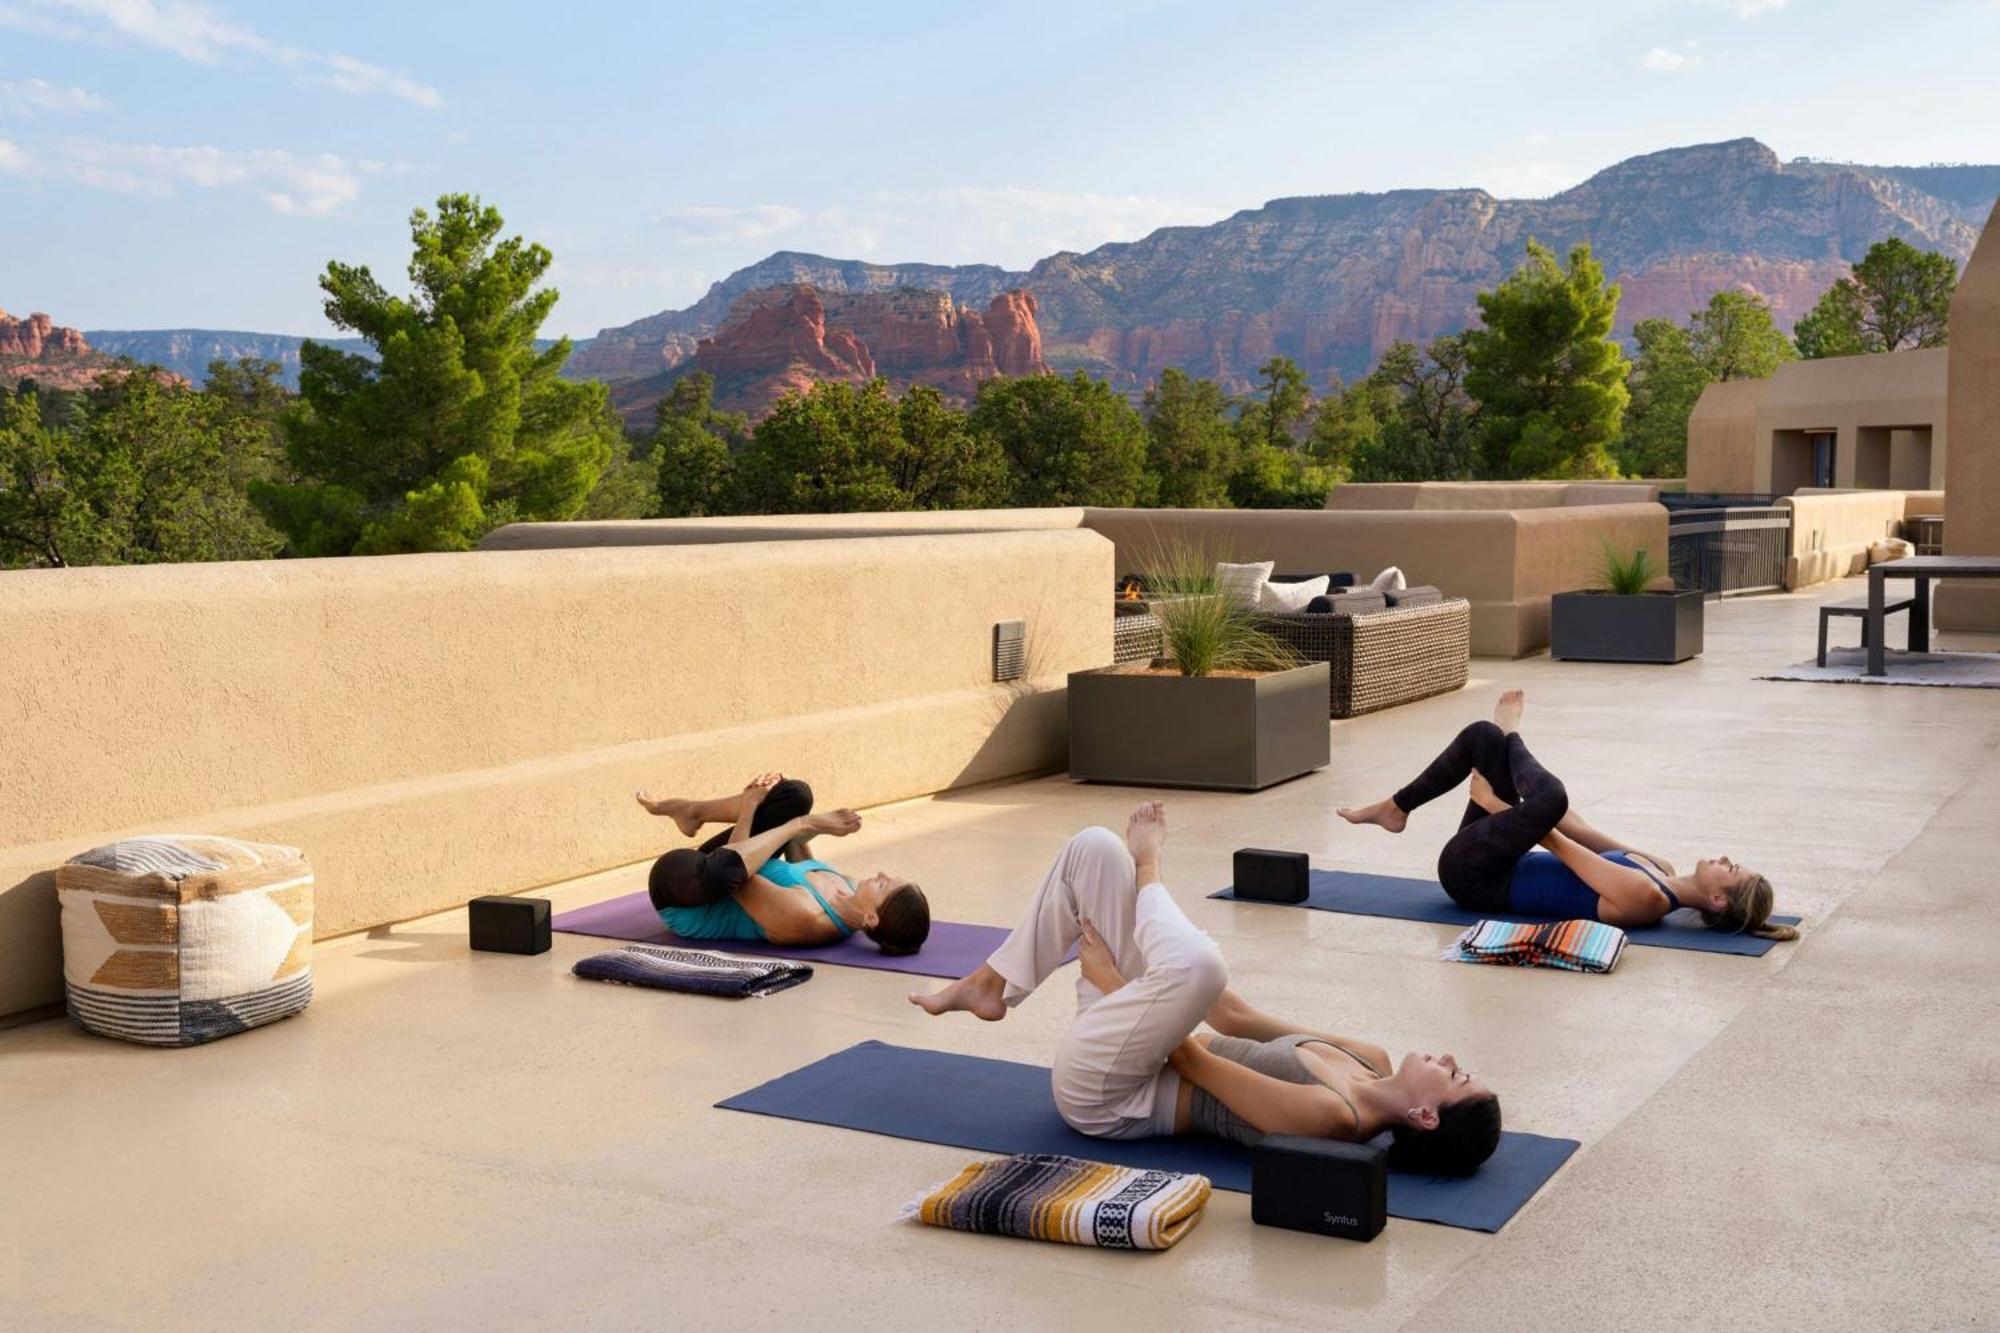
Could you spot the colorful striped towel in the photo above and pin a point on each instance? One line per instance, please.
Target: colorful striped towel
(1574, 946)
(1045, 1196)
(696, 971)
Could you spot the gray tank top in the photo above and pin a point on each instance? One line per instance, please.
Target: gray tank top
(1277, 1058)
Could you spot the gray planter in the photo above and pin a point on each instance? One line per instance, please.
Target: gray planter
(1663, 627)
(1236, 733)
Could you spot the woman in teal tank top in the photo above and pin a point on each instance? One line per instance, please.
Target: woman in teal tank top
(758, 881)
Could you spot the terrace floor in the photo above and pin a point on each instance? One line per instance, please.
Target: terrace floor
(455, 1140)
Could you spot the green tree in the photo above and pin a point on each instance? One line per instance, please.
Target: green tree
(458, 424)
(694, 450)
(1735, 338)
(1898, 297)
(1549, 380)
(1189, 447)
(1411, 420)
(154, 471)
(938, 462)
(824, 451)
(1277, 410)
(1272, 477)
(1666, 381)
(1067, 441)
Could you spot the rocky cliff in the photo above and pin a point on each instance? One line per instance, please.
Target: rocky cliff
(780, 340)
(1333, 280)
(39, 349)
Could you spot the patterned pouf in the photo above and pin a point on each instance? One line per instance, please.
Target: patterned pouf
(177, 939)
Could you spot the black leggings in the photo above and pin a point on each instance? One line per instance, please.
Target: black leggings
(1477, 865)
(790, 799)
(696, 877)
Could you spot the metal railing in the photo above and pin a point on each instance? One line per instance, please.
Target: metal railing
(1725, 550)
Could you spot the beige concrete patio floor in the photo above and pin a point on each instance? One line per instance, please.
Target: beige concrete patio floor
(450, 1140)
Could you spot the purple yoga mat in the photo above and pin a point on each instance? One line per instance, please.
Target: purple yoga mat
(953, 950)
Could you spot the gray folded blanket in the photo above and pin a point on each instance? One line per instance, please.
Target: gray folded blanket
(696, 971)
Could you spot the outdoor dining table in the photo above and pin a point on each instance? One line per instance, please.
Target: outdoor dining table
(1922, 569)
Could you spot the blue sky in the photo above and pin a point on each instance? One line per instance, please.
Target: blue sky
(170, 164)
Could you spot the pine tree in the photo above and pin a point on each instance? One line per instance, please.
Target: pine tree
(458, 423)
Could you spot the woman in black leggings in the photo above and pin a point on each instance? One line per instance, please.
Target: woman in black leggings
(1520, 849)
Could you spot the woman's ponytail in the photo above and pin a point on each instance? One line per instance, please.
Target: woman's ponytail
(1749, 912)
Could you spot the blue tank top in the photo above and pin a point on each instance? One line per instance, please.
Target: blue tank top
(1544, 887)
(725, 918)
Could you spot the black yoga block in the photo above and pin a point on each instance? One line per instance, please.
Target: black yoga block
(1335, 1189)
(510, 925)
(1271, 877)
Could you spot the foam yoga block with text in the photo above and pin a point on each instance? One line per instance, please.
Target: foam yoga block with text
(1307, 1184)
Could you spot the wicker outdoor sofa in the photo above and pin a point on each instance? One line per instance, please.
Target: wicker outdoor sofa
(1376, 658)
(1379, 659)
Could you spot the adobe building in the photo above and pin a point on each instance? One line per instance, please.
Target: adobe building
(1972, 481)
(1869, 422)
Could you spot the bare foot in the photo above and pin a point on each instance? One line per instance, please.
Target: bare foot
(1384, 813)
(1146, 831)
(1507, 713)
(980, 995)
(673, 806)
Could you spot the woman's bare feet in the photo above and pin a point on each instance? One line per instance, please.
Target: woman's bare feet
(1146, 831)
(1384, 813)
(833, 823)
(1507, 713)
(673, 806)
(982, 995)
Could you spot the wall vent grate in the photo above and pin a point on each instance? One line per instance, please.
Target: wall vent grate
(1010, 650)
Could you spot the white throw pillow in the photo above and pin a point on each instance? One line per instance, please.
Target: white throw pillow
(1242, 583)
(1288, 597)
(1389, 580)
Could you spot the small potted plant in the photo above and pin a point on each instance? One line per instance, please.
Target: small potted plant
(1225, 705)
(1628, 619)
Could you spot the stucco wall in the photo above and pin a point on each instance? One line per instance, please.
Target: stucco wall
(1869, 403)
(1505, 562)
(1722, 438)
(1972, 526)
(431, 728)
(1454, 495)
(1478, 553)
(1832, 531)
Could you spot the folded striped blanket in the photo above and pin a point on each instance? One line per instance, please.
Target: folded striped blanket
(1045, 1196)
(697, 971)
(1574, 946)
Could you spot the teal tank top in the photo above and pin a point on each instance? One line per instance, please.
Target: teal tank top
(725, 919)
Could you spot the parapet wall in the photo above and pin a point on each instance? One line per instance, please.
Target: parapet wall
(1427, 495)
(1505, 562)
(1833, 529)
(431, 728)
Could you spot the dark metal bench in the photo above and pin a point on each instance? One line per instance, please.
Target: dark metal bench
(1858, 608)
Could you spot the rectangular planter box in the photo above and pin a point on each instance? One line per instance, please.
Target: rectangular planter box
(1237, 733)
(1662, 627)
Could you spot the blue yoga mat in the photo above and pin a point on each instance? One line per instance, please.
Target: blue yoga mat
(1360, 894)
(1002, 1106)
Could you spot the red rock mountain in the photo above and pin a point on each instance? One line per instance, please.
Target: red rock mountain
(39, 349)
(780, 340)
(1333, 280)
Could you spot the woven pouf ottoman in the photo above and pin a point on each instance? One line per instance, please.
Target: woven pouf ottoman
(177, 939)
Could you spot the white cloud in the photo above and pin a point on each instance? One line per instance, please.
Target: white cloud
(1746, 9)
(196, 32)
(307, 184)
(712, 222)
(1670, 59)
(28, 96)
(13, 158)
(1007, 225)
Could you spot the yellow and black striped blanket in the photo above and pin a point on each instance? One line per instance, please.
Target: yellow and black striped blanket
(1045, 1196)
